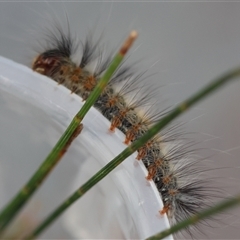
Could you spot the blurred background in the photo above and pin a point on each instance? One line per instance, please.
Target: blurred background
(185, 43)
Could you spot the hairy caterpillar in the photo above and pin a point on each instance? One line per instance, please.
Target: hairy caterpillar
(196, 71)
(127, 106)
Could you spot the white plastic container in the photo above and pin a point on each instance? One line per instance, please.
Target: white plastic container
(34, 113)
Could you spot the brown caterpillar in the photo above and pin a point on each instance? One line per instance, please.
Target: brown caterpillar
(126, 104)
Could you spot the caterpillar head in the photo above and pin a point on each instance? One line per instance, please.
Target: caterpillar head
(48, 62)
(60, 47)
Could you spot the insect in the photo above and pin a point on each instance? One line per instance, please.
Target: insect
(127, 105)
(150, 114)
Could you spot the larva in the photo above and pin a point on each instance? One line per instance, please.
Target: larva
(127, 105)
(194, 41)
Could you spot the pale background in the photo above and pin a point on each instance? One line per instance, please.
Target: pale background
(190, 44)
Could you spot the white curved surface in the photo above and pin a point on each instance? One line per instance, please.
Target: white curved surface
(124, 204)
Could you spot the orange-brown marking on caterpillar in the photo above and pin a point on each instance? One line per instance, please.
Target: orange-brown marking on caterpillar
(77, 71)
(152, 169)
(117, 120)
(172, 192)
(111, 102)
(130, 134)
(115, 123)
(76, 75)
(165, 209)
(90, 83)
(167, 179)
(142, 152)
(75, 78)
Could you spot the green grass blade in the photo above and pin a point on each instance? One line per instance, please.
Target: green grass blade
(64, 142)
(198, 217)
(181, 108)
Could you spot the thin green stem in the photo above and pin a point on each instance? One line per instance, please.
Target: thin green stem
(198, 217)
(217, 83)
(64, 142)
